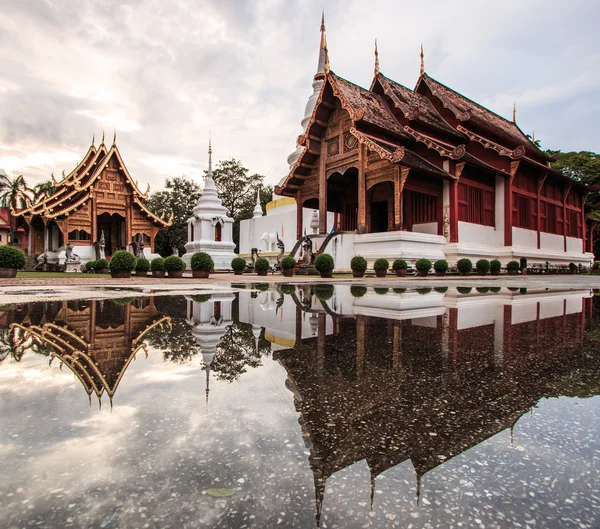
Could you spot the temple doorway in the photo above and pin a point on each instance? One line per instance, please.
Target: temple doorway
(379, 216)
(114, 232)
(380, 207)
(342, 198)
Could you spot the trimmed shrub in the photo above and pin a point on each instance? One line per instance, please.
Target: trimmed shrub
(381, 264)
(237, 263)
(464, 266)
(381, 291)
(288, 263)
(441, 265)
(399, 290)
(142, 265)
(358, 263)
(513, 266)
(423, 265)
(513, 289)
(441, 290)
(482, 290)
(122, 261)
(261, 286)
(482, 266)
(324, 263)
(175, 264)
(158, 264)
(101, 264)
(11, 257)
(399, 264)
(423, 291)
(90, 266)
(324, 292)
(358, 292)
(495, 290)
(122, 301)
(200, 261)
(262, 265)
(201, 298)
(288, 289)
(464, 290)
(495, 266)
(596, 265)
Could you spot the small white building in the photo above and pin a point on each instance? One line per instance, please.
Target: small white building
(210, 230)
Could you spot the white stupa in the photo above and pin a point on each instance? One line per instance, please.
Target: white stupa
(210, 230)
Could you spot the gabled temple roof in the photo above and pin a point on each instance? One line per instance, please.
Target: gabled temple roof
(75, 190)
(468, 111)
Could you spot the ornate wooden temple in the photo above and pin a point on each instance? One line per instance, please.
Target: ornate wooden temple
(427, 172)
(98, 197)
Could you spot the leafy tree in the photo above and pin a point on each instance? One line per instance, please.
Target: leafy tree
(180, 197)
(14, 193)
(42, 191)
(237, 190)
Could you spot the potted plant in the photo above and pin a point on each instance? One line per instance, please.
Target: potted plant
(381, 267)
(142, 266)
(482, 266)
(464, 290)
(262, 266)
(324, 264)
(122, 264)
(440, 267)
(423, 291)
(101, 267)
(400, 267)
(89, 267)
(358, 264)
(423, 266)
(512, 268)
(464, 266)
(175, 266)
(573, 268)
(358, 292)
(495, 267)
(324, 292)
(11, 259)
(238, 265)
(288, 290)
(287, 266)
(158, 267)
(202, 265)
(381, 290)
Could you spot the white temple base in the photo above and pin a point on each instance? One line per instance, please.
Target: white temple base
(220, 252)
(73, 267)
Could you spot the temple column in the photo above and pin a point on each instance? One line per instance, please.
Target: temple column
(499, 337)
(94, 210)
(453, 191)
(29, 237)
(508, 204)
(321, 343)
(128, 222)
(541, 181)
(361, 224)
(360, 347)
(590, 236)
(299, 215)
(583, 201)
(565, 196)
(323, 188)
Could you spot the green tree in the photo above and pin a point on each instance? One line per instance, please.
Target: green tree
(237, 190)
(180, 197)
(42, 191)
(14, 195)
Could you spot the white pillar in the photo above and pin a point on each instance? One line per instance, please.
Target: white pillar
(45, 238)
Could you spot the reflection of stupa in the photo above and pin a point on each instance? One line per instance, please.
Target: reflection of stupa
(210, 316)
(97, 340)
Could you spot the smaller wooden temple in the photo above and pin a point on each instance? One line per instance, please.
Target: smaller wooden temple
(98, 198)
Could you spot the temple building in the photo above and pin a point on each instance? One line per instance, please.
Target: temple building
(407, 173)
(97, 203)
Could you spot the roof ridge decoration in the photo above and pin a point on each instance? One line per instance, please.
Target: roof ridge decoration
(396, 156)
(422, 70)
(456, 153)
(411, 113)
(514, 154)
(376, 60)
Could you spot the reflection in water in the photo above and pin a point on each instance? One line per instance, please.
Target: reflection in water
(377, 376)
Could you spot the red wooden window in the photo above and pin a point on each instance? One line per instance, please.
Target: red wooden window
(523, 212)
(419, 208)
(218, 232)
(350, 217)
(574, 223)
(476, 204)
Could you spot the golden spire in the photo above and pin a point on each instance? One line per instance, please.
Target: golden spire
(93, 138)
(115, 137)
(514, 112)
(533, 137)
(323, 45)
(102, 142)
(422, 60)
(376, 59)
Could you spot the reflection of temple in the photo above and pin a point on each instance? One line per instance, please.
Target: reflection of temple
(406, 376)
(96, 340)
(210, 315)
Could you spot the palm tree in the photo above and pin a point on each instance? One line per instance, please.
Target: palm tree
(14, 194)
(42, 191)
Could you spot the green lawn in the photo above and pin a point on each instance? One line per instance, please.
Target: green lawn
(55, 275)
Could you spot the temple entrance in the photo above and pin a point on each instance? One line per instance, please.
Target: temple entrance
(380, 207)
(379, 216)
(342, 198)
(113, 227)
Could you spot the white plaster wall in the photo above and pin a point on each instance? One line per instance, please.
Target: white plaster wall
(342, 250)
(476, 315)
(477, 234)
(429, 321)
(574, 245)
(524, 238)
(551, 308)
(428, 227)
(550, 241)
(573, 305)
(523, 312)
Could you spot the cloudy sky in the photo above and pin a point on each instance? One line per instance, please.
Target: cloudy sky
(162, 72)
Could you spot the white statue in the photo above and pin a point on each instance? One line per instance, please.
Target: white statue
(268, 242)
(102, 245)
(71, 257)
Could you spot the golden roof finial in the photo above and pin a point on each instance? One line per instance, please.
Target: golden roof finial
(115, 137)
(326, 60)
(323, 37)
(422, 60)
(376, 59)
(102, 142)
(514, 112)
(533, 137)
(53, 179)
(93, 138)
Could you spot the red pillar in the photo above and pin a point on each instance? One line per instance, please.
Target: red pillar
(299, 215)
(454, 211)
(508, 208)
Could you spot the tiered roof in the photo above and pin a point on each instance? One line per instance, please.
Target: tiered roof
(76, 188)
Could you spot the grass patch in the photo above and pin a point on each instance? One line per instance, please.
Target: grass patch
(55, 275)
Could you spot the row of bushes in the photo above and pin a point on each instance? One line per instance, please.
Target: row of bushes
(123, 262)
